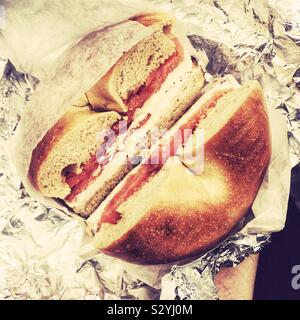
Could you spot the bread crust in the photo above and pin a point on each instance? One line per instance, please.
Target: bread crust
(241, 150)
(45, 146)
(150, 19)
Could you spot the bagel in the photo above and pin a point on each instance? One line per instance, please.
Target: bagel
(167, 212)
(150, 86)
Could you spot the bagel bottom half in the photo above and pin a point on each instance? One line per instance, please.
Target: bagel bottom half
(177, 214)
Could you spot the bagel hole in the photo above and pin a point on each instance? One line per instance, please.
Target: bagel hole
(71, 168)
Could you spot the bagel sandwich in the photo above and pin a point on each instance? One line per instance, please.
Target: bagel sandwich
(165, 210)
(152, 84)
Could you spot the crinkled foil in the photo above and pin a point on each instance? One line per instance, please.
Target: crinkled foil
(194, 281)
(39, 246)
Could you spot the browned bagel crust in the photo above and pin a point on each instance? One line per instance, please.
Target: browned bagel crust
(242, 149)
(44, 147)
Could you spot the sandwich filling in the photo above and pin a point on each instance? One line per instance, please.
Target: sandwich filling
(154, 164)
(154, 81)
(92, 169)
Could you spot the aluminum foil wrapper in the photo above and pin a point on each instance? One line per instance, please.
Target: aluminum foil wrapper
(39, 246)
